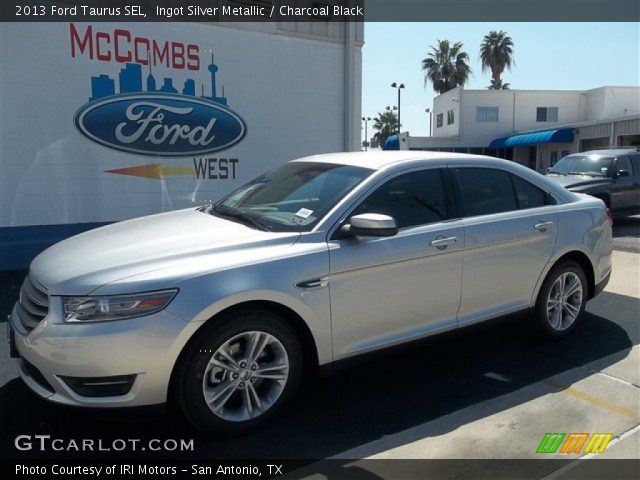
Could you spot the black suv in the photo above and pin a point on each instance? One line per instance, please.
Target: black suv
(612, 175)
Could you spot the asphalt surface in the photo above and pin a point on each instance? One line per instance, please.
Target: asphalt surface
(486, 392)
(626, 232)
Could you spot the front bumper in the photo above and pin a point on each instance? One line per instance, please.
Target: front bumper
(146, 347)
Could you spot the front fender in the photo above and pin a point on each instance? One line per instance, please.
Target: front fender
(203, 297)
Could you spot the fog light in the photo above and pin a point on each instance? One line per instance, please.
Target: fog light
(100, 386)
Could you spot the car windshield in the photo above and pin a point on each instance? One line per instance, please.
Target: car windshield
(582, 165)
(291, 197)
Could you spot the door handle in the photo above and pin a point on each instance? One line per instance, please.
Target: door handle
(542, 226)
(443, 242)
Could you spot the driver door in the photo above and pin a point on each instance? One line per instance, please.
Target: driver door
(386, 290)
(624, 192)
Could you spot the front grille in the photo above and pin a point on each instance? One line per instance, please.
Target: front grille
(33, 305)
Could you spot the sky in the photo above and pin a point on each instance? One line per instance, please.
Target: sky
(549, 56)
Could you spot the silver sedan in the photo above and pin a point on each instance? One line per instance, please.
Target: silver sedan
(226, 306)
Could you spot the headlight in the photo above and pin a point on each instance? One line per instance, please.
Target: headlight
(115, 307)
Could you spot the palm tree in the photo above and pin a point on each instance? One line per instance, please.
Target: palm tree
(498, 85)
(496, 54)
(446, 66)
(385, 124)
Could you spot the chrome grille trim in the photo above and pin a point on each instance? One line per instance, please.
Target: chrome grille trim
(33, 305)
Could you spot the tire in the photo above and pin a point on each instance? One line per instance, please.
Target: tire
(553, 312)
(205, 369)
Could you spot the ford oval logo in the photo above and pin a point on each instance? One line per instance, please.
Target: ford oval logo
(160, 124)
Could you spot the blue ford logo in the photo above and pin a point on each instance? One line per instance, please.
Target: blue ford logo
(160, 124)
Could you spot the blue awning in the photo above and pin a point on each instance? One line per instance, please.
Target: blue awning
(561, 135)
(391, 143)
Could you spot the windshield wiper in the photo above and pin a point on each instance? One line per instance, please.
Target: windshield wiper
(233, 214)
(590, 174)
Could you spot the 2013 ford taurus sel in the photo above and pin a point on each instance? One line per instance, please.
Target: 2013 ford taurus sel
(223, 308)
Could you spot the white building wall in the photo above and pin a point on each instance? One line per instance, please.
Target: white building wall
(475, 133)
(527, 103)
(621, 101)
(517, 110)
(594, 104)
(441, 105)
(290, 91)
(607, 102)
(517, 113)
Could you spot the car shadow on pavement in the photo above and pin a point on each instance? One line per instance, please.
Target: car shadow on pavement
(626, 226)
(390, 393)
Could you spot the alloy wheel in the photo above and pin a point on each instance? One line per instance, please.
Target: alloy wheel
(245, 376)
(564, 301)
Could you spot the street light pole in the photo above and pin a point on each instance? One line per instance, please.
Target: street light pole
(428, 110)
(398, 87)
(366, 133)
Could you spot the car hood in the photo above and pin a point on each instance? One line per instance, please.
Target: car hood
(83, 263)
(570, 181)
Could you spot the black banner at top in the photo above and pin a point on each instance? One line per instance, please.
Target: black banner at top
(219, 11)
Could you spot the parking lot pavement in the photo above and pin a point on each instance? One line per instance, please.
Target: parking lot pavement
(486, 392)
(626, 232)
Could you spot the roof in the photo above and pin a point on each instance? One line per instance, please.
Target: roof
(377, 160)
(399, 159)
(610, 152)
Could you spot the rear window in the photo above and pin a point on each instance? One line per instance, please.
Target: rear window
(530, 196)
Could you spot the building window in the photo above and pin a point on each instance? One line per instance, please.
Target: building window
(450, 117)
(547, 114)
(486, 114)
(553, 158)
(439, 119)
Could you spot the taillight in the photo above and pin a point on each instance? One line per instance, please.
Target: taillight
(609, 216)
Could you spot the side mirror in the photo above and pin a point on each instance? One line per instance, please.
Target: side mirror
(546, 170)
(624, 173)
(370, 225)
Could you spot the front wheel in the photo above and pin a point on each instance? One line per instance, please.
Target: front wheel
(561, 301)
(239, 372)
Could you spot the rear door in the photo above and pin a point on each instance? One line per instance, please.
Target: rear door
(510, 231)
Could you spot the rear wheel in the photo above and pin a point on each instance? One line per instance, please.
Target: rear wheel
(561, 300)
(239, 372)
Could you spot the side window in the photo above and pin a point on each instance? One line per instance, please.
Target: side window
(530, 196)
(486, 191)
(413, 199)
(624, 163)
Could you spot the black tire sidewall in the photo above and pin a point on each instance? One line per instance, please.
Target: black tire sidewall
(188, 384)
(540, 312)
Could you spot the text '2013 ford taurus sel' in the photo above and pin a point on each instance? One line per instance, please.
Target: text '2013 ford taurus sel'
(223, 308)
